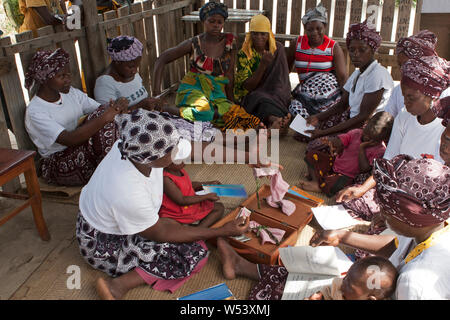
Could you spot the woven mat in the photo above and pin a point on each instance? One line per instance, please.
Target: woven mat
(50, 280)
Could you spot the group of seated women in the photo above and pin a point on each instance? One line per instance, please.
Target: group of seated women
(119, 144)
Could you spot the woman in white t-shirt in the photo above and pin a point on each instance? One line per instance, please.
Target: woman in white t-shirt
(118, 229)
(366, 90)
(71, 131)
(121, 78)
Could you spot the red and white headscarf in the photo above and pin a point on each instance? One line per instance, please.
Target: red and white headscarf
(418, 45)
(414, 191)
(429, 74)
(45, 65)
(361, 31)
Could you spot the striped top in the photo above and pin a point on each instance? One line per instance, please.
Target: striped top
(309, 60)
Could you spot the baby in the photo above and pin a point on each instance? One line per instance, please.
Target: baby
(182, 204)
(371, 278)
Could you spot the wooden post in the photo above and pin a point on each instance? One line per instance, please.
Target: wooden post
(416, 28)
(15, 102)
(404, 13)
(26, 56)
(387, 19)
(97, 49)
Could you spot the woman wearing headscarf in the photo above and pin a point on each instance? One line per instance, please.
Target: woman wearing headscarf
(414, 197)
(416, 131)
(71, 131)
(416, 46)
(320, 64)
(206, 91)
(261, 82)
(121, 78)
(365, 92)
(118, 229)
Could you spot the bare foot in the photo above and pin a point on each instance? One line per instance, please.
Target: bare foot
(103, 289)
(309, 186)
(228, 257)
(285, 124)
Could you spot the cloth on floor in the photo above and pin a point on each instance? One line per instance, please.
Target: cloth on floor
(267, 234)
(278, 188)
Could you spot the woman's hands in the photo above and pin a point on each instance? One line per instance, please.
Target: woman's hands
(327, 238)
(236, 227)
(114, 108)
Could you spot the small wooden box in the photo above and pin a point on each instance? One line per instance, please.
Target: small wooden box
(268, 253)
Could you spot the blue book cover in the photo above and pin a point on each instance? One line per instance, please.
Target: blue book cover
(227, 190)
(218, 292)
(297, 194)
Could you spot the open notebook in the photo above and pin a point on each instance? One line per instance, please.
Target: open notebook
(311, 268)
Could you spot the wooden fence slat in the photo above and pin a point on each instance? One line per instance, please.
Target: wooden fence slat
(69, 47)
(161, 26)
(125, 29)
(47, 31)
(309, 4)
(268, 8)
(15, 102)
(97, 47)
(189, 29)
(139, 33)
(356, 11)
(150, 42)
(387, 19)
(114, 31)
(254, 4)
(327, 5)
(404, 12)
(239, 27)
(180, 36)
(228, 27)
(296, 16)
(339, 18)
(416, 28)
(281, 16)
(26, 56)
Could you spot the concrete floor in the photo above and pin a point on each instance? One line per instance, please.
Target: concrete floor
(21, 249)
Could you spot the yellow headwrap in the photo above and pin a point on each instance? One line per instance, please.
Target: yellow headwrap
(259, 23)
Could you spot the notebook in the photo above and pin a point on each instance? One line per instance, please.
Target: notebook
(226, 190)
(218, 292)
(311, 268)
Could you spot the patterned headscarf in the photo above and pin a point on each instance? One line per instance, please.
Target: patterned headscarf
(429, 75)
(318, 13)
(418, 45)
(212, 8)
(361, 31)
(45, 65)
(259, 23)
(414, 191)
(146, 135)
(124, 48)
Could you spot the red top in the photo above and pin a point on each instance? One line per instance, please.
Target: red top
(184, 214)
(347, 163)
(319, 59)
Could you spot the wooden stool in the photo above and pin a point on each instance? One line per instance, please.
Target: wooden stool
(12, 164)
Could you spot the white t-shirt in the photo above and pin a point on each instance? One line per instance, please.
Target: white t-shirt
(44, 121)
(106, 88)
(396, 102)
(119, 199)
(427, 276)
(374, 78)
(410, 137)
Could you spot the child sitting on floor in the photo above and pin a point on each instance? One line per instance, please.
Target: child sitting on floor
(349, 154)
(182, 204)
(371, 278)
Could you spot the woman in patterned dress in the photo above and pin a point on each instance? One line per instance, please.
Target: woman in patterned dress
(206, 91)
